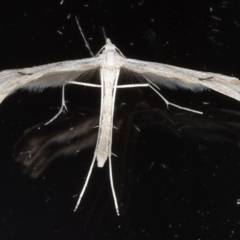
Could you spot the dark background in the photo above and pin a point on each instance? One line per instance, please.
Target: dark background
(192, 190)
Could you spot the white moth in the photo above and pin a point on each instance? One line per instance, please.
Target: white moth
(109, 63)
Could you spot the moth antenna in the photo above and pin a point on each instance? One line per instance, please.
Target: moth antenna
(104, 34)
(83, 36)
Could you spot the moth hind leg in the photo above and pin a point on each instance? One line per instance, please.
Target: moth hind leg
(86, 183)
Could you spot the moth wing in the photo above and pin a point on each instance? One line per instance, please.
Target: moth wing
(175, 77)
(49, 75)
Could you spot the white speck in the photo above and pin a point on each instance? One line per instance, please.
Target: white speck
(165, 166)
(151, 166)
(28, 152)
(219, 19)
(136, 128)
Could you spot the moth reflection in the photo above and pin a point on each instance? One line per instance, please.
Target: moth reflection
(40, 145)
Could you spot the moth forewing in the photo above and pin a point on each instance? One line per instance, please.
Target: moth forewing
(175, 77)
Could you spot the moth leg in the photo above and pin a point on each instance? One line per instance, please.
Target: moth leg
(86, 182)
(61, 108)
(85, 84)
(133, 85)
(112, 185)
(172, 104)
(159, 94)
